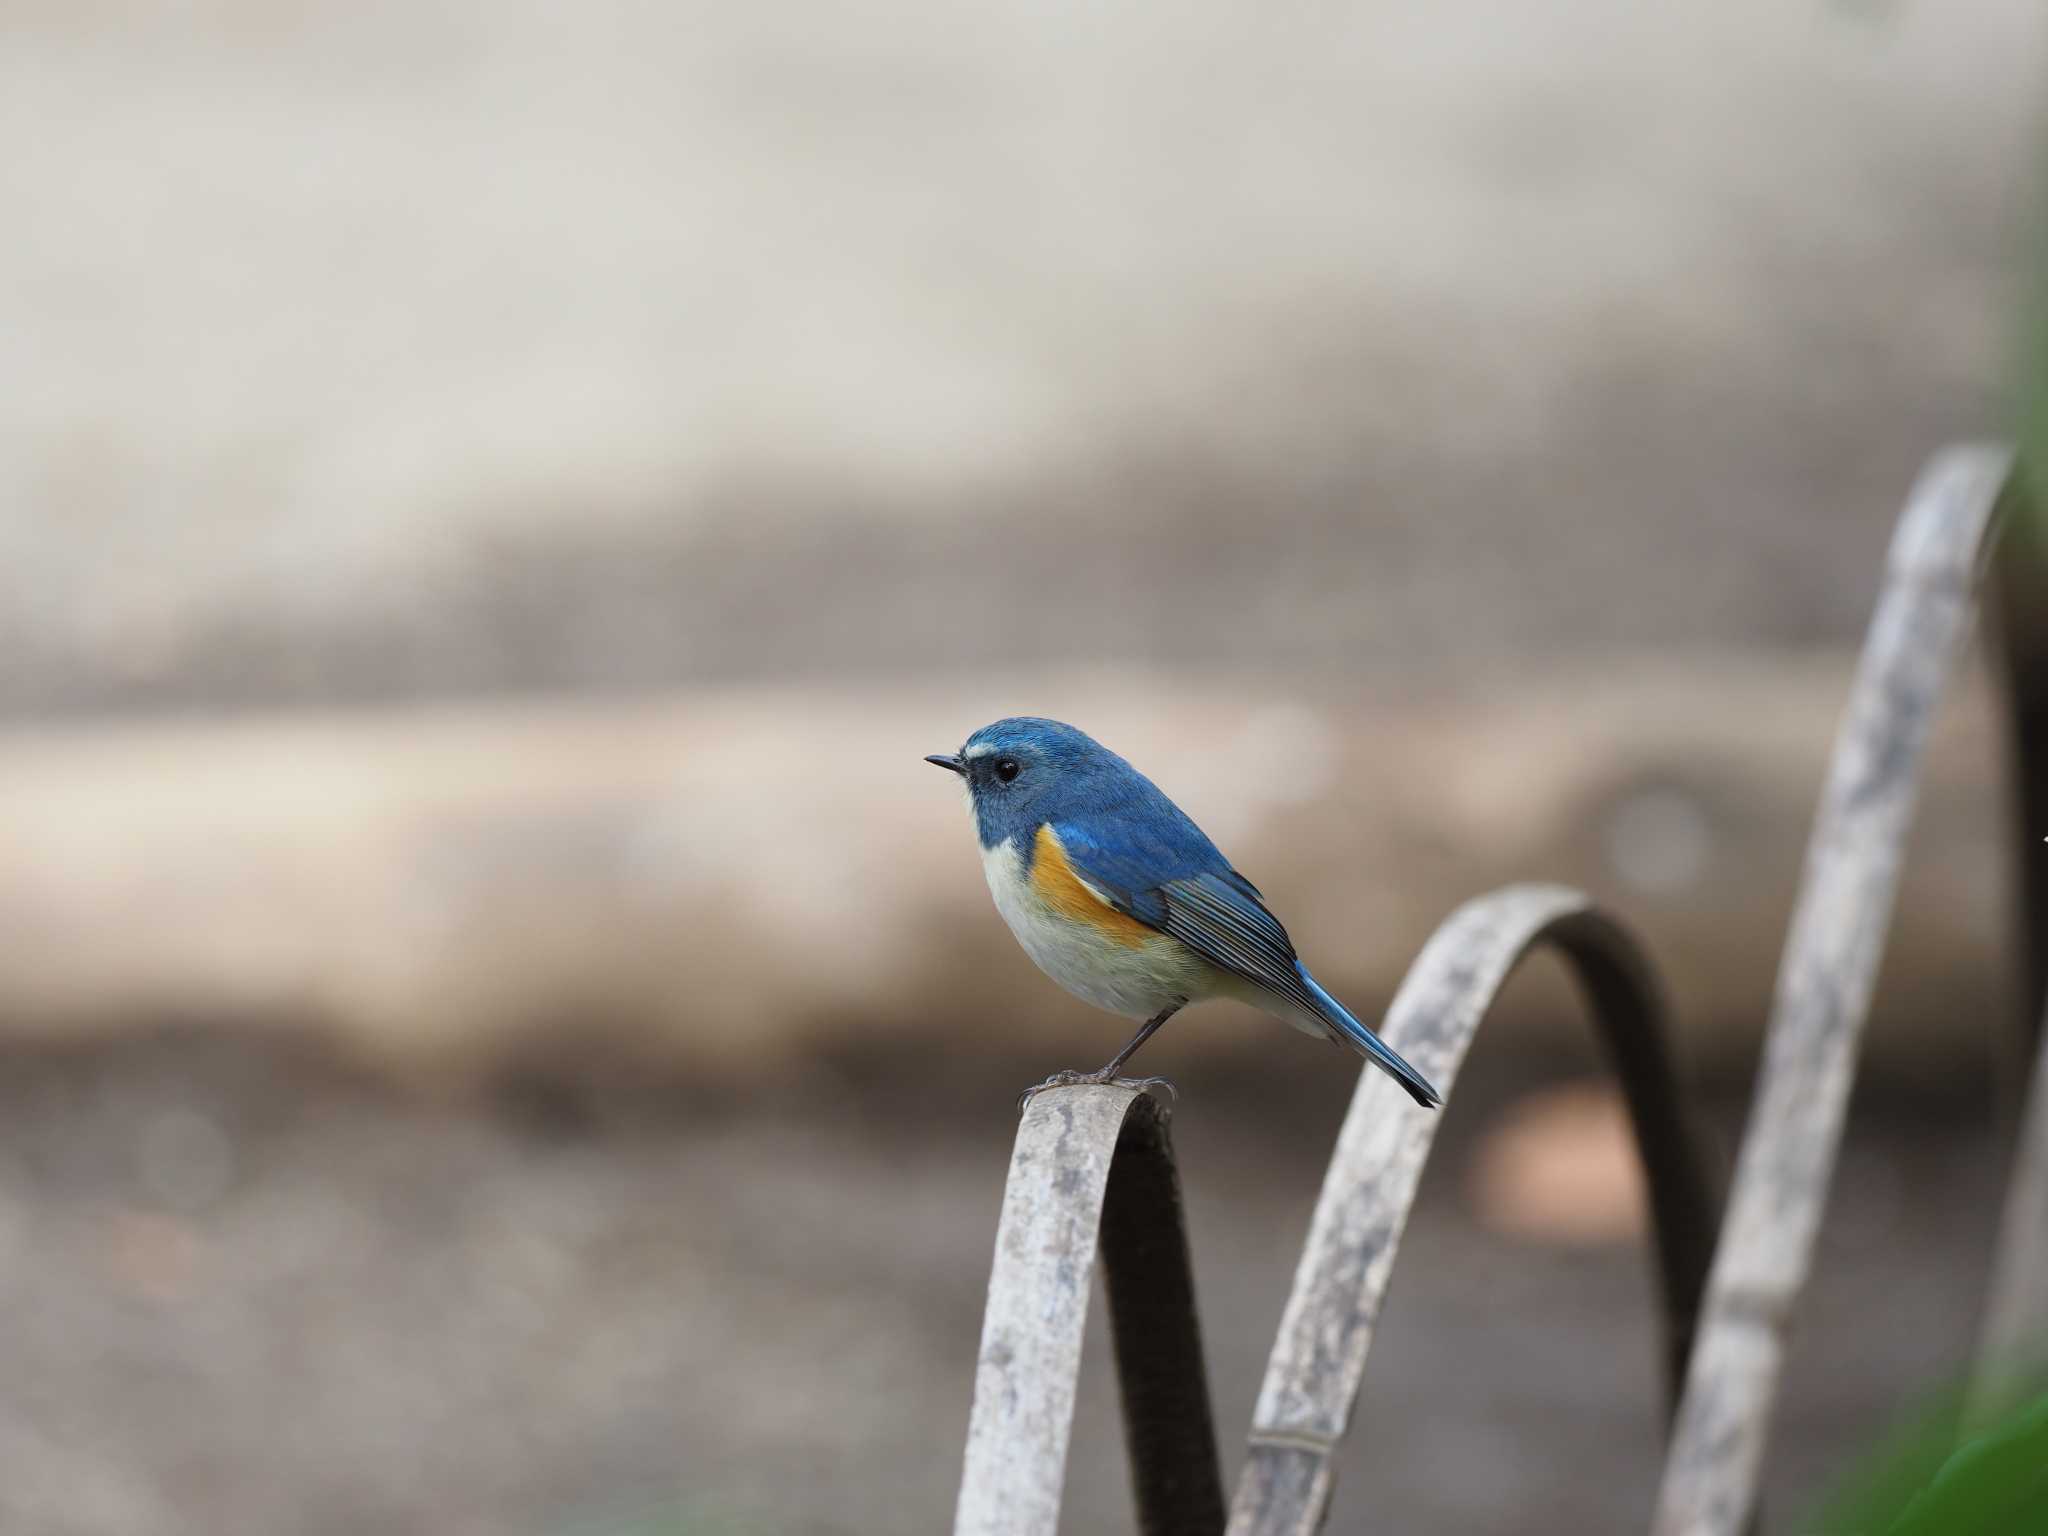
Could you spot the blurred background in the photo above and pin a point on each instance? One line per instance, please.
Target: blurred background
(501, 1032)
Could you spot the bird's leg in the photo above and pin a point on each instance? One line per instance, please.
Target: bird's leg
(1145, 1032)
(1107, 1073)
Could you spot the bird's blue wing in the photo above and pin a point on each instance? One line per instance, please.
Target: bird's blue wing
(1186, 889)
(1221, 918)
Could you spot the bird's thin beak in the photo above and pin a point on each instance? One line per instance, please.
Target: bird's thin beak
(947, 761)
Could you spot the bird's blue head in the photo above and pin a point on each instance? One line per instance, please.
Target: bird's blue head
(1024, 771)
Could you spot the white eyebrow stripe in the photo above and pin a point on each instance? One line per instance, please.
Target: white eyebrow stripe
(979, 749)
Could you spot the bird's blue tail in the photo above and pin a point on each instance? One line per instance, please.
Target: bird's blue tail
(1370, 1046)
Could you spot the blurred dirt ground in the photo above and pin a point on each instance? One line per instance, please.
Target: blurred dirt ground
(245, 1288)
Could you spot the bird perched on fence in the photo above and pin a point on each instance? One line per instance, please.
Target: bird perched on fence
(1122, 900)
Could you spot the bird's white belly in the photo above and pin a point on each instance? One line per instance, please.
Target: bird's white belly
(1099, 967)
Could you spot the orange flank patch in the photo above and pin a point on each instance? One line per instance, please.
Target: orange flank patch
(1054, 882)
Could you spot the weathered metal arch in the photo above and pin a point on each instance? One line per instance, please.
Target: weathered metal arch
(1823, 995)
(1090, 1163)
(1096, 1160)
(1318, 1359)
(2012, 1354)
(2017, 584)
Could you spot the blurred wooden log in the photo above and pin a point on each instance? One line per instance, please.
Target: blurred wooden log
(446, 886)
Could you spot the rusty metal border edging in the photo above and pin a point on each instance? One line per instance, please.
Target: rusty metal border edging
(1318, 1359)
(2012, 1354)
(1823, 995)
(1062, 1188)
(1091, 1165)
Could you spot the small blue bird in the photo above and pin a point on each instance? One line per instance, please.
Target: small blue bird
(1122, 900)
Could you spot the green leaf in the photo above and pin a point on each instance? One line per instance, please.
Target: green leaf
(1922, 1482)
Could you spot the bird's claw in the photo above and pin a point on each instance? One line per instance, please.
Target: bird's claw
(1068, 1079)
(1072, 1079)
(1145, 1084)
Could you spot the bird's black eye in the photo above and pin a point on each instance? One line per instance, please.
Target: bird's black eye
(1007, 768)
